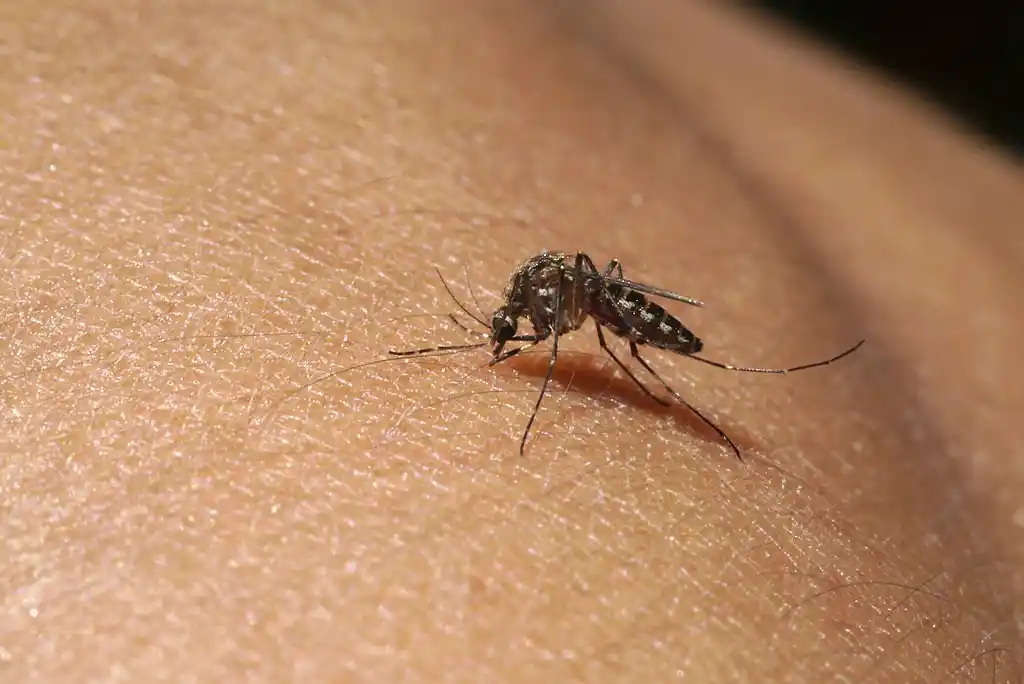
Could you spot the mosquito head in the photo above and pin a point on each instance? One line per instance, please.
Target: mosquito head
(503, 326)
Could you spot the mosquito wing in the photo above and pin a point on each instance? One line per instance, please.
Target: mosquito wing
(656, 291)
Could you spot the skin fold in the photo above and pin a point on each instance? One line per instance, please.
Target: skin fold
(216, 220)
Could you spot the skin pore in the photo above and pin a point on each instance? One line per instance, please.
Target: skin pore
(209, 214)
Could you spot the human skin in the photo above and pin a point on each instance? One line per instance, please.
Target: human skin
(212, 215)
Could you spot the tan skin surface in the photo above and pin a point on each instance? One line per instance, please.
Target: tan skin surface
(207, 208)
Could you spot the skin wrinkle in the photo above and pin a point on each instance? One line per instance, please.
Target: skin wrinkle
(438, 522)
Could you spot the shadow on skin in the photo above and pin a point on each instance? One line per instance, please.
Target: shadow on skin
(598, 376)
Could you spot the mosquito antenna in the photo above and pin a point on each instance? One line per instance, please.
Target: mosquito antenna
(456, 299)
(778, 371)
(469, 286)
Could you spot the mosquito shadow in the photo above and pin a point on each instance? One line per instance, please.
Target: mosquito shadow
(597, 375)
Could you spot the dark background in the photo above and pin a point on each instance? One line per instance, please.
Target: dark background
(971, 60)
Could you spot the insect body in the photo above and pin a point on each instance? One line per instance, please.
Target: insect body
(557, 291)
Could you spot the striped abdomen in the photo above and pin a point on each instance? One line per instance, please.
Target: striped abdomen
(645, 322)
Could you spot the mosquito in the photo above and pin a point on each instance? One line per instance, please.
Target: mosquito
(556, 292)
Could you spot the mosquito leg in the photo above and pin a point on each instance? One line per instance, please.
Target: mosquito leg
(534, 339)
(611, 268)
(778, 371)
(625, 369)
(551, 369)
(584, 259)
(635, 351)
(614, 268)
(428, 350)
(578, 291)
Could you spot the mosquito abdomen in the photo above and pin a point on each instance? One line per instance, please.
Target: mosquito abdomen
(671, 335)
(649, 323)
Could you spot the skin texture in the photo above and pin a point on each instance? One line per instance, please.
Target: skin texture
(211, 213)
